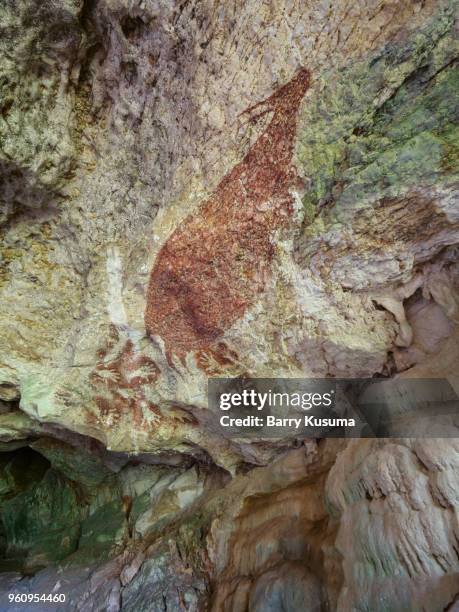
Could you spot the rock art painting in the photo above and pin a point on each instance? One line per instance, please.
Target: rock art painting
(264, 192)
(119, 380)
(214, 265)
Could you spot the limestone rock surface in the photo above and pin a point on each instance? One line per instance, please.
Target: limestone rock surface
(205, 188)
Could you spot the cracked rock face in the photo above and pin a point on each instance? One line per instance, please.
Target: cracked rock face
(198, 189)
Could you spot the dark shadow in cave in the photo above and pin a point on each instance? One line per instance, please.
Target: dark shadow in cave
(20, 471)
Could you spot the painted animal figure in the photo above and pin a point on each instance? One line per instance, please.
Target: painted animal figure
(213, 266)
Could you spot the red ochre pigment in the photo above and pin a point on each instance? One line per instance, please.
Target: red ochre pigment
(213, 266)
(120, 379)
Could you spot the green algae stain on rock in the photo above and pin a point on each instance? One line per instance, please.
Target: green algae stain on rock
(378, 146)
(77, 465)
(42, 524)
(382, 125)
(103, 532)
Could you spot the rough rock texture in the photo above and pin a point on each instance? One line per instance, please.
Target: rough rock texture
(226, 203)
(191, 189)
(398, 532)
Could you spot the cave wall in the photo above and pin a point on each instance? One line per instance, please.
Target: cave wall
(195, 189)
